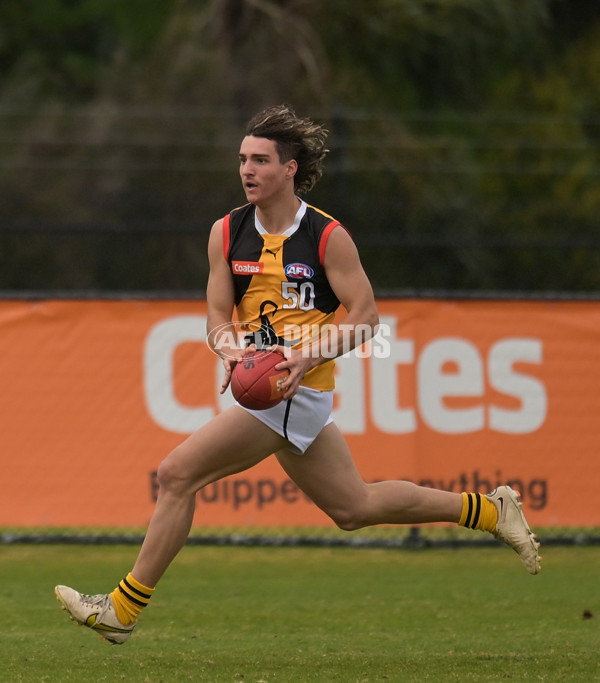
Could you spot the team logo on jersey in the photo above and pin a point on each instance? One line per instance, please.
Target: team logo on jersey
(247, 267)
(299, 271)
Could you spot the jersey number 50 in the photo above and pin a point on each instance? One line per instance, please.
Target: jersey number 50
(298, 295)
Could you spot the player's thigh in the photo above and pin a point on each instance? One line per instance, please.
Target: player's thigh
(231, 442)
(326, 473)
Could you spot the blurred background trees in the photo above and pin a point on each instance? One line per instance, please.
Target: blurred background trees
(464, 136)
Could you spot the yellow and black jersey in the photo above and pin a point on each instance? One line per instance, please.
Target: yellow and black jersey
(282, 294)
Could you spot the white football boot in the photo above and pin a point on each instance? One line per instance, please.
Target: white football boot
(96, 612)
(512, 527)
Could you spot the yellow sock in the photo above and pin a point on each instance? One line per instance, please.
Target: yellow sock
(478, 512)
(129, 598)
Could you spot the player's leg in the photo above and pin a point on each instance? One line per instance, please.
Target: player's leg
(327, 474)
(232, 442)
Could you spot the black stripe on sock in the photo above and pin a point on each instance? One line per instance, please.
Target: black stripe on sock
(131, 598)
(136, 591)
(469, 511)
(477, 510)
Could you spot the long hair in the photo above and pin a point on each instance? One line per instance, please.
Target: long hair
(295, 138)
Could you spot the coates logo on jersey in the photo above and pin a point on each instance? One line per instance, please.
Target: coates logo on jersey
(247, 267)
(299, 271)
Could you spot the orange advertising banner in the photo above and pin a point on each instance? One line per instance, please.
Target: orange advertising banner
(460, 395)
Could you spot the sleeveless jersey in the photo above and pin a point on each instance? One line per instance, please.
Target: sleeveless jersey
(280, 282)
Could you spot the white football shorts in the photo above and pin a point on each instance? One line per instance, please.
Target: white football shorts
(299, 419)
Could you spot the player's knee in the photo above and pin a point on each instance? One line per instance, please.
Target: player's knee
(171, 475)
(348, 519)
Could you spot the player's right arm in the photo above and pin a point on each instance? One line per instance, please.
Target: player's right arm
(220, 302)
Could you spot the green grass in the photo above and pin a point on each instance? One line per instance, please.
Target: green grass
(310, 614)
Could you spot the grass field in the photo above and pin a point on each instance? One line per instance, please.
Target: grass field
(310, 614)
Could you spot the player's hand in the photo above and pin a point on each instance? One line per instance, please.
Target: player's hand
(231, 360)
(298, 363)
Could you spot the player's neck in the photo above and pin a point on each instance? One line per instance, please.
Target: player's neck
(277, 218)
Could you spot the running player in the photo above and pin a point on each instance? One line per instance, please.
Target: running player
(283, 265)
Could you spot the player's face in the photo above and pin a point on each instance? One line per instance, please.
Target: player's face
(264, 177)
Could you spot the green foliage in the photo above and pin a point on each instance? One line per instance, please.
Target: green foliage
(307, 614)
(439, 52)
(464, 133)
(64, 44)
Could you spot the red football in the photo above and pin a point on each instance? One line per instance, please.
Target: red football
(255, 382)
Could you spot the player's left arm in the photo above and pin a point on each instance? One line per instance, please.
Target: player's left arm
(351, 286)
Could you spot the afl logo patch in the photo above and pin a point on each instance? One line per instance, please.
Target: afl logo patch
(299, 271)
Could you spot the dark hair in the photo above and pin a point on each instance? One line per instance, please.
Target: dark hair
(295, 138)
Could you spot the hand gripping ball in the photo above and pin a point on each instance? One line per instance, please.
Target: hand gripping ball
(255, 383)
